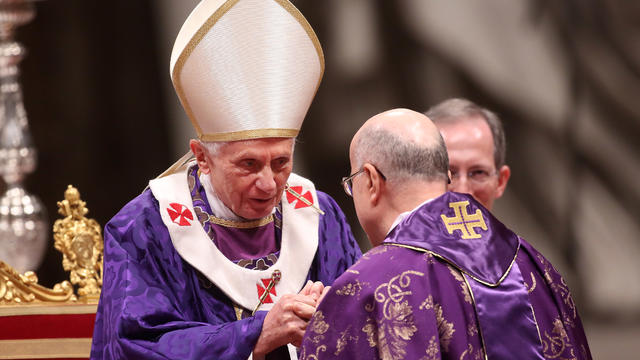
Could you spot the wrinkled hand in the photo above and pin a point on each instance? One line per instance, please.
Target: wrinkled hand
(285, 323)
(316, 290)
(288, 318)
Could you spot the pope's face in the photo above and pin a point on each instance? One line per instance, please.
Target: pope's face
(249, 176)
(470, 146)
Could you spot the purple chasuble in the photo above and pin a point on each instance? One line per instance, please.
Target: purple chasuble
(155, 305)
(449, 282)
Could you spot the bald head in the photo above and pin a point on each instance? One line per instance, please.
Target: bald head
(404, 144)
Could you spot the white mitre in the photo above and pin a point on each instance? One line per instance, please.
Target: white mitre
(246, 69)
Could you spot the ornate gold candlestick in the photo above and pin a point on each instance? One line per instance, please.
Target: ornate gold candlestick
(23, 225)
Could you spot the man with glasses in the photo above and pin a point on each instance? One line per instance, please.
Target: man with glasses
(445, 279)
(477, 148)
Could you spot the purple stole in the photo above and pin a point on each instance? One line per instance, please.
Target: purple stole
(457, 229)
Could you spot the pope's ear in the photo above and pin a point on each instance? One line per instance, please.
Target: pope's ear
(200, 153)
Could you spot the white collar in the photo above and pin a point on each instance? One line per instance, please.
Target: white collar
(403, 215)
(218, 208)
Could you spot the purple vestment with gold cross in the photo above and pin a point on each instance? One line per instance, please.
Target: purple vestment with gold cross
(449, 282)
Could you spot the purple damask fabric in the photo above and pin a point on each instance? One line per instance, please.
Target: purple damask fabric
(154, 305)
(444, 285)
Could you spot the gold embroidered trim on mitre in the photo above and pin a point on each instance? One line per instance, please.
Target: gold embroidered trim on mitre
(241, 224)
(249, 134)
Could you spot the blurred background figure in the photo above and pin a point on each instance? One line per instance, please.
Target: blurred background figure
(563, 76)
(477, 149)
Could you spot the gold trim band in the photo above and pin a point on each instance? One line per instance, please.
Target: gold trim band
(45, 348)
(13, 310)
(504, 276)
(241, 224)
(249, 134)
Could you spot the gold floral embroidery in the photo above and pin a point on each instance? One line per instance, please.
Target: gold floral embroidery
(343, 340)
(396, 327)
(472, 330)
(371, 331)
(314, 356)
(351, 289)
(445, 328)
(374, 251)
(427, 303)
(471, 354)
(428, 258)
(432, 350)
(463, 285)
(555, 344)
(561, 289)
(318, 327)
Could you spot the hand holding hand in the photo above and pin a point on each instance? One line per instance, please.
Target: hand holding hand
(285, 323)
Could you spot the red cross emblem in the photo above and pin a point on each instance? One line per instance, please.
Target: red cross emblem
(301, 203)
(180, 214)
(270, 289)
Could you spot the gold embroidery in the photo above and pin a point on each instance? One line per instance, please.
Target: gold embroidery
(318, 328)
(319, 325)
(463, 221)
(375, 251)
(472, 330)
(391, 333)
(371, 331)
(560, 289)
(432, 350)
(477, 355)
(504, 276)
(429, 258)
(555, 344)
(314, 356)
(427, 303)
(343, 340)
(463, 285)
(353, 271)
(241, 224)
(445, 328)
(533, 284)
(351, 289)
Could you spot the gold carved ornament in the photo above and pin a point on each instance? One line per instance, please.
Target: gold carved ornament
(80, 241)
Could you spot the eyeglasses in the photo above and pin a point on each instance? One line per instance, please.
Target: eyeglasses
(476, 176)
(347, 182)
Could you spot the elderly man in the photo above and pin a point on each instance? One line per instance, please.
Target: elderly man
(477, 149)
(445, 279)
(226, 256)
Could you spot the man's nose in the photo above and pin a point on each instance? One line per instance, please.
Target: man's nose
(461, 185)
(266, 181)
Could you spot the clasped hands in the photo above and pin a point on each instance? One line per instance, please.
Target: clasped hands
(287, 320)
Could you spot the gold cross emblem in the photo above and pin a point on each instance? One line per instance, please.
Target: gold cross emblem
(464, 221)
